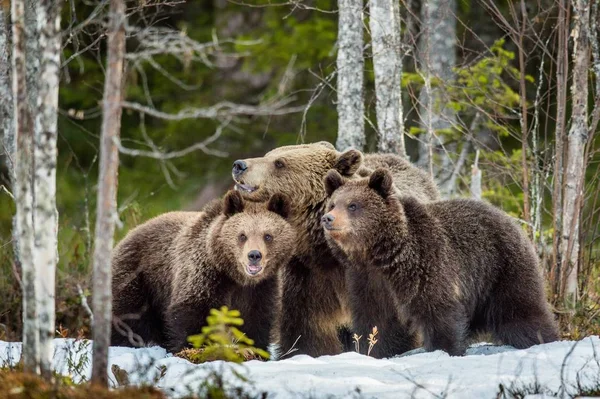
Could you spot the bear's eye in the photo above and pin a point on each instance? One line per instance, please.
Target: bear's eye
(352, 207)
(243, 237)
(268, 237)
(279, 164)
(331, 206)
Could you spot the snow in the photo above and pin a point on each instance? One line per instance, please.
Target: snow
(557, 367)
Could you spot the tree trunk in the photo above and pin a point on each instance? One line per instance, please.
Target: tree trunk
(33, 53)
(24, 190)
(476, 178)
(562, 71)
(384, 23)
(6, 109)
(576, 142)
(45, 214)
(350, 85)
(436, 58)
(107, 191)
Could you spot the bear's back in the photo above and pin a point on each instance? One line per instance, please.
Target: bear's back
(408, 179)
(484, 243)
(146, 253)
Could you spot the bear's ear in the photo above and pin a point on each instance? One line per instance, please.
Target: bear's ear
(333, 181)
(348, 162)
(233, 203)
(280, 204)
(381, 181)
(326, 144)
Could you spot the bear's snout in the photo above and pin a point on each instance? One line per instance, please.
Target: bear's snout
(239, 167)
(254, 256)
(327, 221)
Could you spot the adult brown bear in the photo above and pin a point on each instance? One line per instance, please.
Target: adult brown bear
(171, 271)
(456, 267)
(315, 304)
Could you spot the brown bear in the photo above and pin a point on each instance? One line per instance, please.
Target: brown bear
(171, 271)
(315, 304)
(456, 267)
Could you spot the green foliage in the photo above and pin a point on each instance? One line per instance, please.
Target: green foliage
(484, 85)
(222, 340)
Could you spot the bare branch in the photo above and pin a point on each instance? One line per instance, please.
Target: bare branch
(220, 110)
(202, 146)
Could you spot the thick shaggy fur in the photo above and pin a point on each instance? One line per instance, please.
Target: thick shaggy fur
(454, 267)
(315, 302)
(170, 271)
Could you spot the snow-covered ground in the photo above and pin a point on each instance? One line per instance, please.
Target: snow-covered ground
(557, 367)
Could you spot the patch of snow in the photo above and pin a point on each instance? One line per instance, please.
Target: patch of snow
(556, 368)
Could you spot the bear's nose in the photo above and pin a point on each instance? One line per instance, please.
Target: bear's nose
(239, 167)
(254, 256)
(327, 220)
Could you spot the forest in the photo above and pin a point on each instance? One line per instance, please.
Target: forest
(113, 112)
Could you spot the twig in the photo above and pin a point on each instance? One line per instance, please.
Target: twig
(84, 304)
(292, 349)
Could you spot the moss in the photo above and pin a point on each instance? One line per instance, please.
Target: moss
(19, 385)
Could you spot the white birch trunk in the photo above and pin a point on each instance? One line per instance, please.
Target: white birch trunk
(23, 189)
(437, 58)
(45, 254)
(476, 178)
(387, 62)
(107, 191)
(350, 76)
(576, 142)
(33, 53)
(6, 108)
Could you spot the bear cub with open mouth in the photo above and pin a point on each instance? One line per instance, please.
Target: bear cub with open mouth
(171, 271)
(456, 267)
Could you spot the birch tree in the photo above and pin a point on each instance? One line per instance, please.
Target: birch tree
(437, 58)
(350, 78)
(106, 210)
(6, 110)
(576, 142)
(23, 190)
(384, 23)
(45, 213)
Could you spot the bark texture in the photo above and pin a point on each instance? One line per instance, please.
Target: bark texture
(384, 23)
(437, 57)
(576, 142)
(23, 190)
(6, 109)
(45, 255)
(562, 71)
(33, 54)
(107, 191)
(350, 76)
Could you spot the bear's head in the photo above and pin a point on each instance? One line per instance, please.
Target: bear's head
(361, 214)
(295, 170)
(256, 237)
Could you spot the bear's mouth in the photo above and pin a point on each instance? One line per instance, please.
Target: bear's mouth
(336, 234)
(244, 187)
(253, 270)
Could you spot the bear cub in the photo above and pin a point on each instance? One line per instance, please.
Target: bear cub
(170, 271)
(456, 267)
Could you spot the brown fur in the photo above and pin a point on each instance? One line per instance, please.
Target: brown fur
(170, 271)
(456, 267)
(315, 303)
